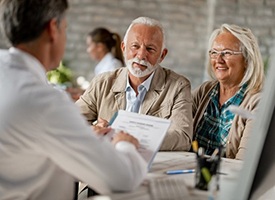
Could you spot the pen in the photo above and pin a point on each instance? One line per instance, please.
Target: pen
(113, 118)
(195, 146)
(180, 171)
(212, 157)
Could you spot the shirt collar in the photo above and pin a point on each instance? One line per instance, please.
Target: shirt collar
(146, 83)
(31, 63)
(235, 99)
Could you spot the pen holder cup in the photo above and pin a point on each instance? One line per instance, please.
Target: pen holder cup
(206, 169)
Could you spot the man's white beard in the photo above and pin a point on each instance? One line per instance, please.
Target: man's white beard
(137, 72)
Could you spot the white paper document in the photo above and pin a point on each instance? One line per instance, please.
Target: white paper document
(149, 130)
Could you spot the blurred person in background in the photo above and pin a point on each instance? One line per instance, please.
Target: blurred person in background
(103, 46)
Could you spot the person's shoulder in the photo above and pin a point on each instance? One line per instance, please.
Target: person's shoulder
(206, 85)
(204, 88)
(116, 63)
(4, 52)
(174, 76)
(110, 63)
(110, 74)
(253, 96)
(8, 59)
(251, 100)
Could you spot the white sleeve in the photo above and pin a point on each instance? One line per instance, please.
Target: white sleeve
(130, 151)
(70, 143)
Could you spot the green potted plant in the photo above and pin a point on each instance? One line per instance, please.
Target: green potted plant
(62, 76)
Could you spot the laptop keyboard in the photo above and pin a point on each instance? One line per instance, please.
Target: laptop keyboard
(168, 189)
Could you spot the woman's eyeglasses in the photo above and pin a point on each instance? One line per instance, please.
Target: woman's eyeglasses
(224, 54)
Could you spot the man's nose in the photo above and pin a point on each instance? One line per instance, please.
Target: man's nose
(142, 53)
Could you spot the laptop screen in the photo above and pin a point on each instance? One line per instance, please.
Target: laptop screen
(257, 175)
(264, 177)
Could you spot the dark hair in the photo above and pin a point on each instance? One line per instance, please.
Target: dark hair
(24, 20)
(112, 41)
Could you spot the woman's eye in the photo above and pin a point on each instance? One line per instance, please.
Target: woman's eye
(214, 53)
(228, 53)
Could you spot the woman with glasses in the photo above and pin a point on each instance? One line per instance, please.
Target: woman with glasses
(236, 67)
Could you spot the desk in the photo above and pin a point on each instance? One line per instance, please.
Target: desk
(175, 160)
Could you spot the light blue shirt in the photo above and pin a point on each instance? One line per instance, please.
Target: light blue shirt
(131, 94)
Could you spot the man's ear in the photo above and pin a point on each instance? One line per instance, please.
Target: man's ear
(163, 54)
(122, 46)
(52, 29)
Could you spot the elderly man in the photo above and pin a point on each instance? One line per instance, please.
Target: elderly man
(143, 86)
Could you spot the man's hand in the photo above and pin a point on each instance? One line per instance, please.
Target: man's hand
(102, 122)
(122, 136)
(101, 130)
(101, 127)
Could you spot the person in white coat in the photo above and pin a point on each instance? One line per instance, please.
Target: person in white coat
(46, 146)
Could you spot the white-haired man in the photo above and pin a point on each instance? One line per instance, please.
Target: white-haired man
(143, 86)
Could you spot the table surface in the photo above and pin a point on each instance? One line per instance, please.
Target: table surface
(171, 161)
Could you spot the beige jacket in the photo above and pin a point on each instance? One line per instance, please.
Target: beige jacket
(241, 128)
(169, 97)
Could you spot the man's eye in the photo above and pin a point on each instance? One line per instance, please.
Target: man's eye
(134, 46)
(150, 49)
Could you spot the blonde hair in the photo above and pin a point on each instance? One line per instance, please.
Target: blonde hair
(254, 73)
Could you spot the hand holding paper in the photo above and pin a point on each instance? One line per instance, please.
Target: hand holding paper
(122, 136)
(149, 130)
